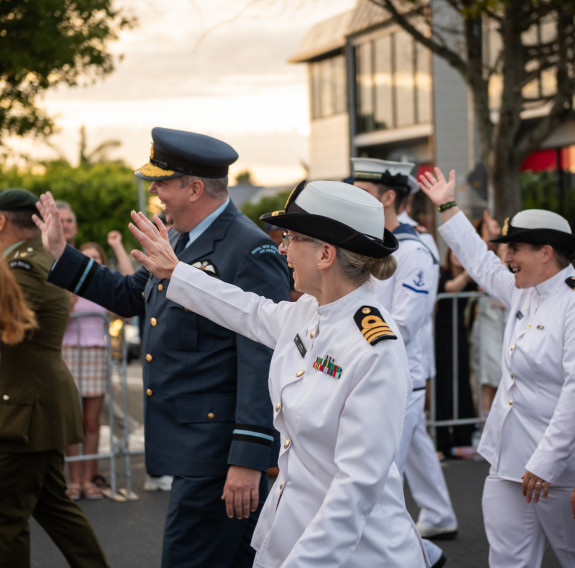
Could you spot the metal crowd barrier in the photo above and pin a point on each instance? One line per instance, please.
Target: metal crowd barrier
(432, 422)
(119, 447)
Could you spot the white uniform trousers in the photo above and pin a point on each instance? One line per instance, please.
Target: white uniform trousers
(518, 532)
(427, 482)
(413, 447)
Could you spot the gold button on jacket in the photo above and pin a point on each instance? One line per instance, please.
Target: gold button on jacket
(148, 358)
(149, 392)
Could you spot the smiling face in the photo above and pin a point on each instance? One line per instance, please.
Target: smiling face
(174, 198)
(529, 264)
(302, 258)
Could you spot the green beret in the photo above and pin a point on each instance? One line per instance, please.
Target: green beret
(17, 200)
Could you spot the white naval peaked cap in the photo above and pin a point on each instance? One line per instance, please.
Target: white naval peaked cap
(540, 219)
(337, 213)
(394, 175)
(376, 166)
(538, 226)
(344, 203)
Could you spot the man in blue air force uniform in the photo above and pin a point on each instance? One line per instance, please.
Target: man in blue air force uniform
(208, 417)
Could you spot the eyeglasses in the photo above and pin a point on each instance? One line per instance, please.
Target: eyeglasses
(287, 238)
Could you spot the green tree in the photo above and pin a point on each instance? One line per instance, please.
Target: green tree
(265, 205)
(245, 176)
(549, 190)
(100, 153)
(102, 195)
(46, 43)
(515, 56)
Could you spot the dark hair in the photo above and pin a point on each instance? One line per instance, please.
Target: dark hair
(21, 219)
(562, 257)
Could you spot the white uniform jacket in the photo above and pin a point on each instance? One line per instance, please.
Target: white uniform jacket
(426, 335)
(409, 296)
(339, 403)
(531, 424)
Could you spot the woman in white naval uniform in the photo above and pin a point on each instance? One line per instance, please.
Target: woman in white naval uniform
(529, 435)
(339, 381)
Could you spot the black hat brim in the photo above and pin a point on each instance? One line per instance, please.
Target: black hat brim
(333, 232)
(558, 239)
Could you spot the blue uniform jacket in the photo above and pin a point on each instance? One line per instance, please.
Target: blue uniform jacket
(206, 400)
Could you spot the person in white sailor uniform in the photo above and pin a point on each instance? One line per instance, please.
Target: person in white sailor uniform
(529, 435)
(207, 412)
(407, 297)
(339, 381)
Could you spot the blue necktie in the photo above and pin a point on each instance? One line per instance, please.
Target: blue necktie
(182, 242)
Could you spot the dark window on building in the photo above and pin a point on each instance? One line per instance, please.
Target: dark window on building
(327, 79)
(393, 83)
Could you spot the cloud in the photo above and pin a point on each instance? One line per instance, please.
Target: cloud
(234, 84)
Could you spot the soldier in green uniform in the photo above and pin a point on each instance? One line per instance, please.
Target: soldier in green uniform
(39, 408)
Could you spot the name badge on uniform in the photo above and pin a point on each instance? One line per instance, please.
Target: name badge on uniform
(299, 344)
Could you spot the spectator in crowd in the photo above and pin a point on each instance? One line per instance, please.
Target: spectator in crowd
(339, 378)
(453, 278)
(68, 220)
(85, 350)
(40, 414)
(208, 416)
(123, 259)
(529, 435)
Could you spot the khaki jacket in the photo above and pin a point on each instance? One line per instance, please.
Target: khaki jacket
(39, 405)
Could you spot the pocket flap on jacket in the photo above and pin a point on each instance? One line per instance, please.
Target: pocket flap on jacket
(16, 405)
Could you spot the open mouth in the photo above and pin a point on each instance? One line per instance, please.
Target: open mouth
(513, 270)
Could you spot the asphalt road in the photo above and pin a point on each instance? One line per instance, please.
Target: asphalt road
(131, 531)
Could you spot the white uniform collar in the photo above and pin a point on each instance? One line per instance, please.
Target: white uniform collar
(547, 287)
(341, 308)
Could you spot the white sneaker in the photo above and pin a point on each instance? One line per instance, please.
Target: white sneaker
(437, 533)
(162, 483)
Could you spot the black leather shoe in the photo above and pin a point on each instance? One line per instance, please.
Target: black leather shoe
(440, 562)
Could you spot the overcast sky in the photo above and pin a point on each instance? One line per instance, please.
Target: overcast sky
(234, 83)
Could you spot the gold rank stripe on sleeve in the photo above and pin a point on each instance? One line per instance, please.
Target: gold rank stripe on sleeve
(372, 325)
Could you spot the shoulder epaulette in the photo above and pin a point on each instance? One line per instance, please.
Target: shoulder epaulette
(372, 325)
(570, 282)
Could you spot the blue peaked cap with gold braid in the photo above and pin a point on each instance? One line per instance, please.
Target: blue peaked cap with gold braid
(176, 153)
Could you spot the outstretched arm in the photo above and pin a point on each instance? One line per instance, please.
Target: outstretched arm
(50, 225)
(154, 238)
(440, 191)
(123, 258)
